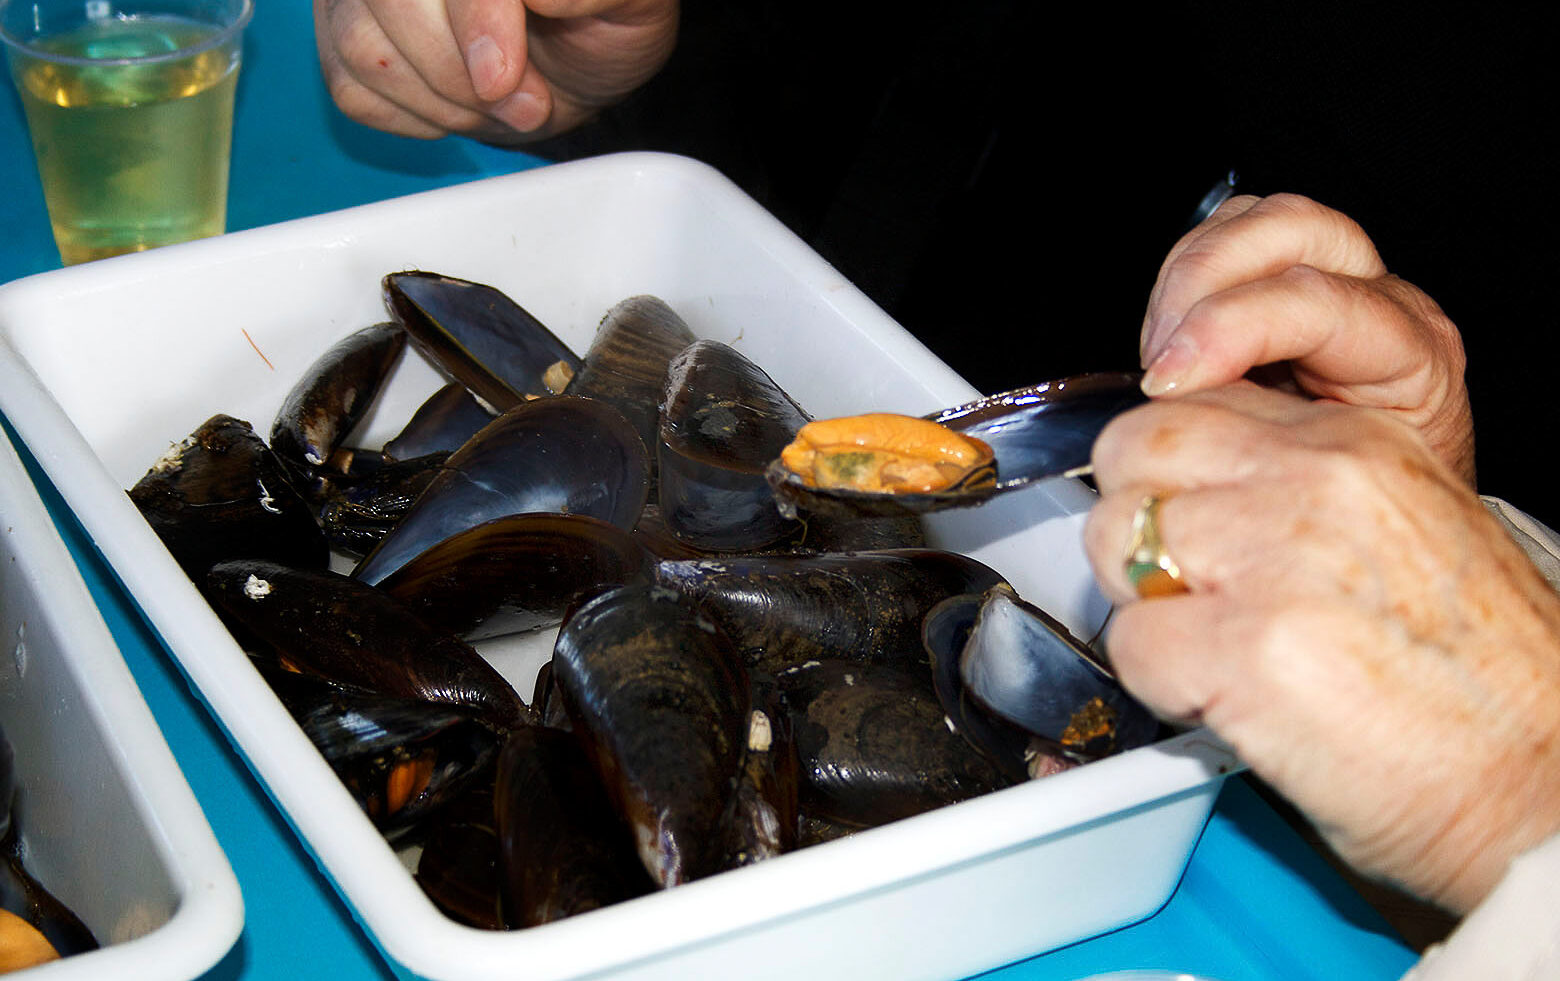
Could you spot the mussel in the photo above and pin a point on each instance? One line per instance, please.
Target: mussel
(662, 702)
(484, 339)
(1033, 433)
(783, 610)
(766, 821)
(564, 849)
(874, 746)
(722, 420)
(882, 452)
(332, 396)
(558, 455)
(1018, 753)
(339, 628)
(516, 573)
(401, 759)
(442, 424)
(221, 493)
(627, 361)
(1024, 666)
(357, 515)
(459, 866)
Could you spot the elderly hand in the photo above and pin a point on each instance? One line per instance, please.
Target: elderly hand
(1360, 630)
(1286, 280)
(504, 71)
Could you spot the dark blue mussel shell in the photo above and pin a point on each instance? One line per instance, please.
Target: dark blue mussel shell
(349, 632)
(662, 702)
(332, 396)
(557, 455)
(785, 609)
(1025, 667)
(722, 420)
(486, 340)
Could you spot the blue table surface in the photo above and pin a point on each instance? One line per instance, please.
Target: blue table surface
(1256, 901)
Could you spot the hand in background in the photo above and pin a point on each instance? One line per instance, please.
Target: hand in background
(502, 71)
(1283, 279)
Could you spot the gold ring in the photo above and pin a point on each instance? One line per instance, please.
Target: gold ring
(1149, 567)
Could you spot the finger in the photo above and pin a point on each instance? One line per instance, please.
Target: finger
(622, 10)
(372, 79)
(1221, 436)
(1263, 676)
(347, 26)
(1349, 338)
(420, 32)
(1257, 544)
(527, 109)
(492, 40)
(1261, 240)
(1232, 207)
(1107, 535)
(1214, 537)
(1172, 653)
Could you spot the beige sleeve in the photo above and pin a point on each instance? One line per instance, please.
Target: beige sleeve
(1514, 935)
(1540, 543)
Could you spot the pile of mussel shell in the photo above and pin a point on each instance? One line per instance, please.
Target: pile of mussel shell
(727, 682)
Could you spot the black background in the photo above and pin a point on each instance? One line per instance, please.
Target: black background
(1005, 178)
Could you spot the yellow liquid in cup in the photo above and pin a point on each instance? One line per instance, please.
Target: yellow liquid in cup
(131, 156)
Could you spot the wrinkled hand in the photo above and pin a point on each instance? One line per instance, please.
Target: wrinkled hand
(497, 70)
(1284, 279)
(1359, 629)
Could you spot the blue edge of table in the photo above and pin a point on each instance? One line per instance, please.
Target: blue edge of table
(1256, 902)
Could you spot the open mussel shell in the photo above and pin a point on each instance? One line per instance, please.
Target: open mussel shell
(662, 702)
(401, 759)
(484, 339)
(1013, 750)
(560, 455)
(347, 631)
(722, 420)
(1025, 666)
(1035, 433)
(783, 610)
(442, 424)
(356, 515)
(516, 573)
(332, 395)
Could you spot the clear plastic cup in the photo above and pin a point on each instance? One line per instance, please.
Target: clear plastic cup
(130, 107)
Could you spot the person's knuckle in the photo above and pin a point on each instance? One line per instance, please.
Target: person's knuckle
(357, 101)
(361, 45)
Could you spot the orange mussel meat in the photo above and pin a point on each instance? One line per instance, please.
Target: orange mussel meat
(882, 451)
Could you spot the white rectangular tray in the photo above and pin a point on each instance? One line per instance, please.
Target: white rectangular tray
(103, 366)
(108, 824)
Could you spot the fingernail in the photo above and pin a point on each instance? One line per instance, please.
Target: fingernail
(1171, 368)
(521, 111)
(485, 63)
